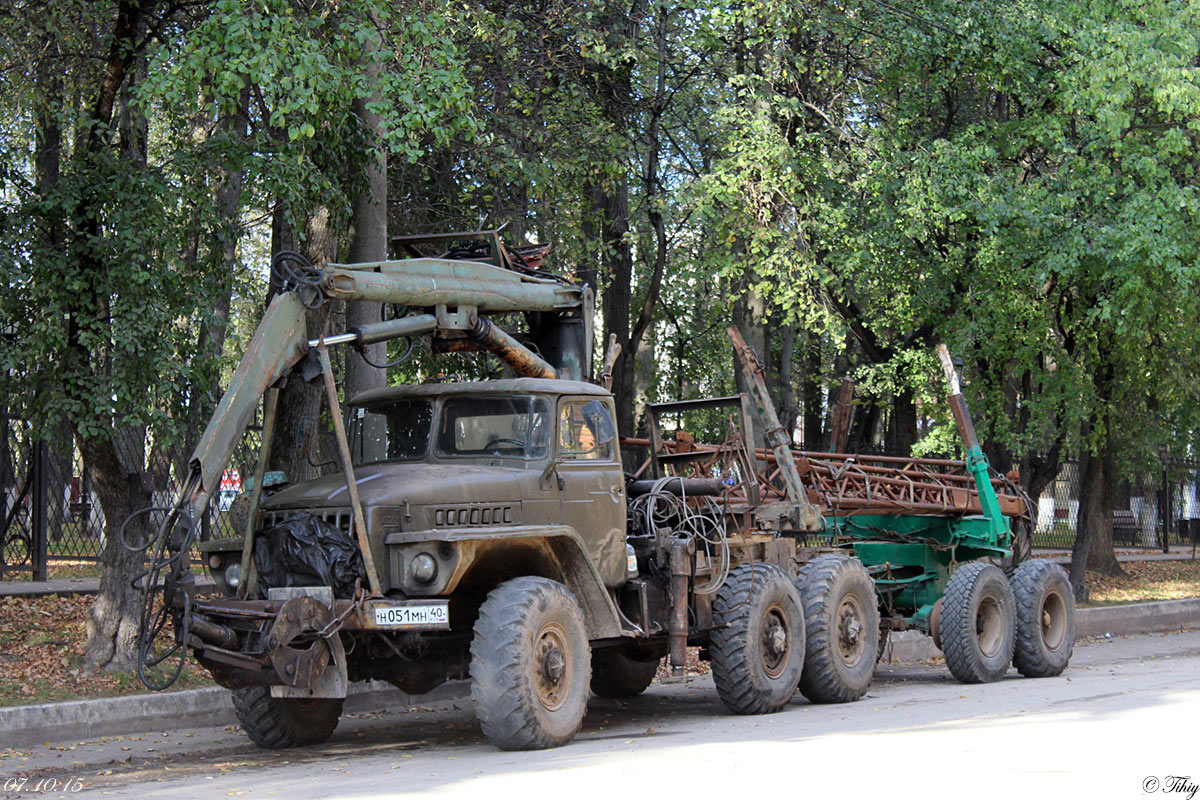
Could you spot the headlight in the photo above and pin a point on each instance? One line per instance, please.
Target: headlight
(423, 568)
(233, 575)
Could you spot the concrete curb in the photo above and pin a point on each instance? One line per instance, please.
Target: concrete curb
(1158, 617)
(191, 708)
(1164, 615)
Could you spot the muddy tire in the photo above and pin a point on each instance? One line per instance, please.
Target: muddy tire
(278, 723)
(1045, 635)
(617, 676)
(841, 626)
(530, 665)
(757, 642)
(978, 620)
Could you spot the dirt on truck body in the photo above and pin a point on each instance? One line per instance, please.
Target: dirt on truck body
(488, 531)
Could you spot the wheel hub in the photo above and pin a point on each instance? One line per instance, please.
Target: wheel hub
(1054, 621)
(551, 667)
(850, 639)
(775, 642)
(554, 664)
(989, 626)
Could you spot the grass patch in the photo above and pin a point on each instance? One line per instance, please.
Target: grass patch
(1146, 581)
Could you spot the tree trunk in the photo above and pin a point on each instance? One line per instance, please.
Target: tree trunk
(788, 412)
(369, 241)
(902, 427)
(118, 479)
(810, 388)
(1101, 557)
(1093, 548)
(112, 626)
(298, 421)
(617, 278)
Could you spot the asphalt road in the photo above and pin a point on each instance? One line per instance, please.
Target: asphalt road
(1123, 719)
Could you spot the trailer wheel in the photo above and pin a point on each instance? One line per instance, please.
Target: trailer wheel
(1045, 619)
(977, 623)
(617, 676)
(278, 723)
(530, 665)
(841, 625)
(757, 642)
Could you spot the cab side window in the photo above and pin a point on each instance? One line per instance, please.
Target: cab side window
(585, 431)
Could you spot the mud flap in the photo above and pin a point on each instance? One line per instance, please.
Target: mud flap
(325, 678)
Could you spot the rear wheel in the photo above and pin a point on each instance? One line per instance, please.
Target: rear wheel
(618, 676)
(530, 665)
(977, 623)
(281, 722)
(757, 643)
(1045, 605)
(841, 617)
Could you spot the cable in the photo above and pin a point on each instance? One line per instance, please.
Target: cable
(292, 272)
(702, 520)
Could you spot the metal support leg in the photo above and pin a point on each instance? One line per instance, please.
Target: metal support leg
(339, 430)
(250, 581)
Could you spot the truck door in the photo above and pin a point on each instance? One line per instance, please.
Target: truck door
(593, 483)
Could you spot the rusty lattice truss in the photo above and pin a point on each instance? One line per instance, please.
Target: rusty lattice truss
(840, 483)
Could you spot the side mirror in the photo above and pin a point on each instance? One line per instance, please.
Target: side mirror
(597, 418)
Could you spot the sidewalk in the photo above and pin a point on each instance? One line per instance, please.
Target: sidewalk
(1179, 552)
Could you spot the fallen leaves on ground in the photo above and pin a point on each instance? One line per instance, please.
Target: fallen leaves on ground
(1146, 581)
(42, 642)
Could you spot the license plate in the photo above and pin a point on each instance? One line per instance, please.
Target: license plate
(416, 614)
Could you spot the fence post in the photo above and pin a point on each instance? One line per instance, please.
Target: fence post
(40, 503)
(1167, 497)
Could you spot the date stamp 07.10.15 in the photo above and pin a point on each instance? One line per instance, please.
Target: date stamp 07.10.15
(43, 785)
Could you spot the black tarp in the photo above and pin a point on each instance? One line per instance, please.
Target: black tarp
(305, 550)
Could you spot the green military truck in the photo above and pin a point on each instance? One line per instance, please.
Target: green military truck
(489, 531)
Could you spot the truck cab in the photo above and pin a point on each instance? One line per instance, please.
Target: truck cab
(453, 475)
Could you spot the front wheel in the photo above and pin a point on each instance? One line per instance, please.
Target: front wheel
(530, 665)
(757, 643)
(1045, 619)
(278, 723)
(977, 623)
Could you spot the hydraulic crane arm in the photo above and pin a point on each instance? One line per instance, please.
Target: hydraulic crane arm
(453, 296)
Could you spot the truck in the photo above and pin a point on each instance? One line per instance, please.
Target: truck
(488, 530)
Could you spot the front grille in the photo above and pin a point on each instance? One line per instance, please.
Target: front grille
(337, 517)
(462, 516)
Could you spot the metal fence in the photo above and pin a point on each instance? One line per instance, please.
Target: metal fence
(49, 511)
(1152, 511)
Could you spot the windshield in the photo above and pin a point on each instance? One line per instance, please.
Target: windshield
(511, 427)
(394, 431)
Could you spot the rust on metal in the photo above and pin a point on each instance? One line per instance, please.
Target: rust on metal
(848, 483)
(809, 514)
(678, 630)
(524, 361)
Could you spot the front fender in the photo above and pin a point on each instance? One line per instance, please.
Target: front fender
(471, 557)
